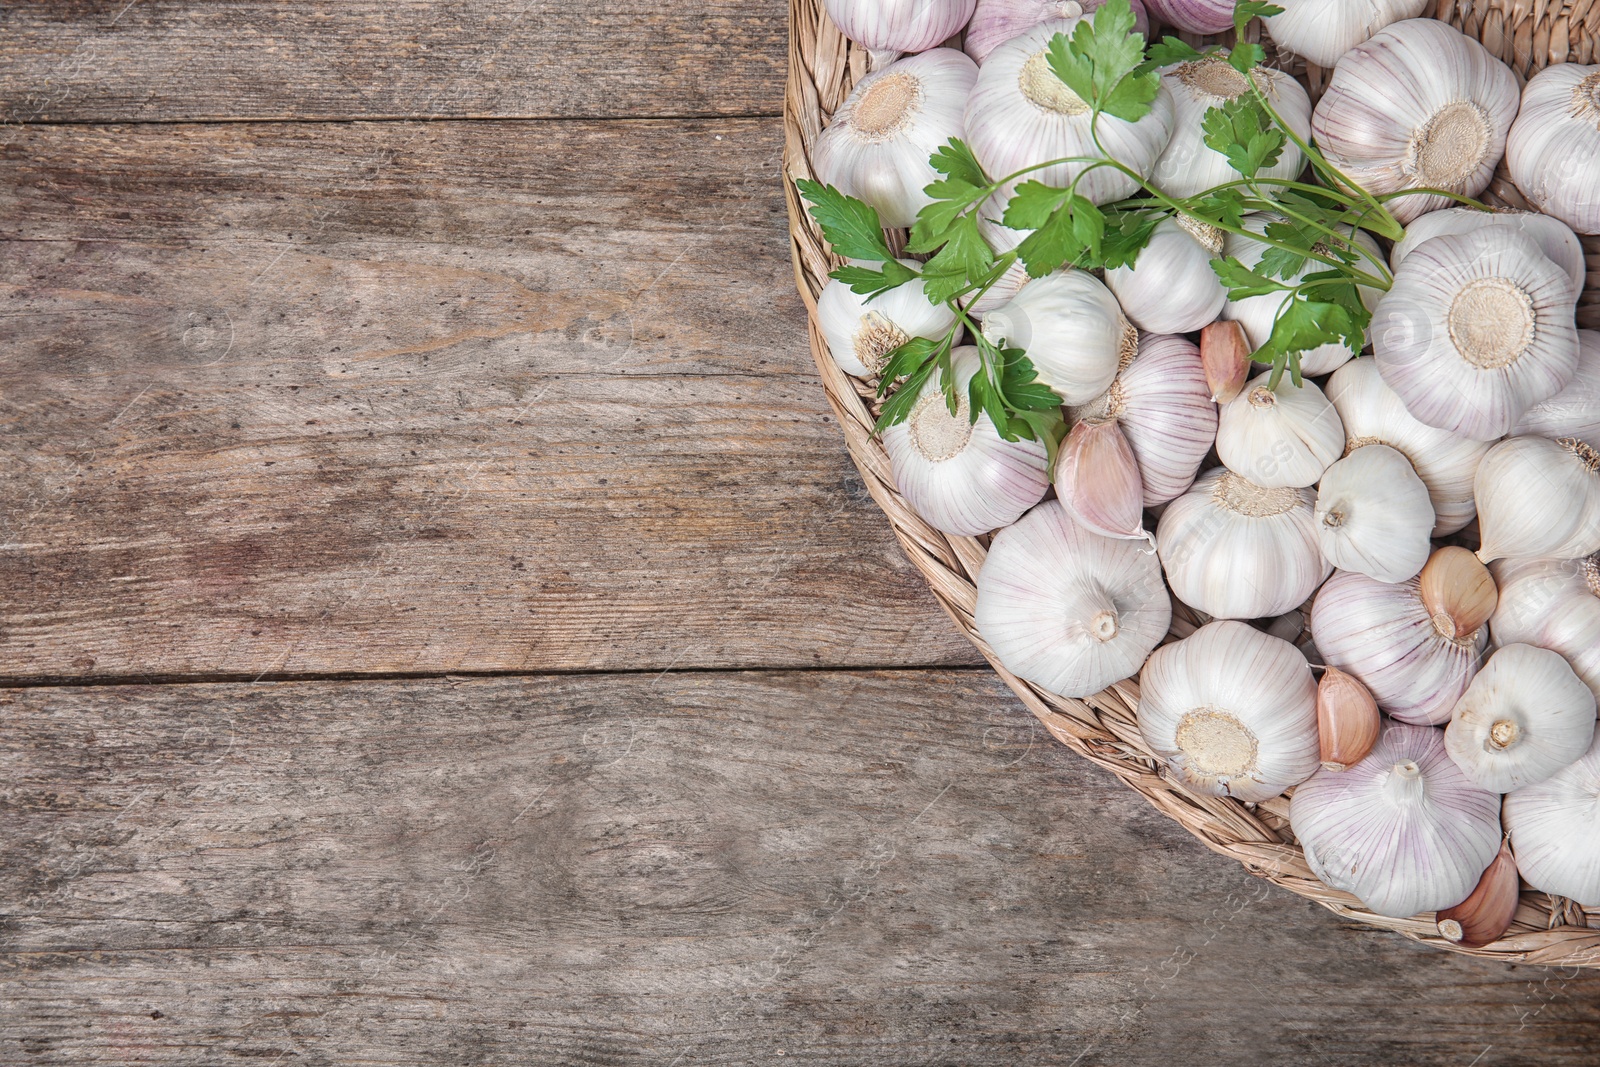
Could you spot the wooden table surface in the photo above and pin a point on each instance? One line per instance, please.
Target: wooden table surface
(440, 623)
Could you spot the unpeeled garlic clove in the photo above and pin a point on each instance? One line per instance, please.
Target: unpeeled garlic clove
(1225, 353)
(1487, 912)
(1347, 720)
(1458, 591)
(1097, 479)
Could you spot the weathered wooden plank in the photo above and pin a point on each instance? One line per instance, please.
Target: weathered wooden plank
(166, 60)
(422, 397)
(695, 868)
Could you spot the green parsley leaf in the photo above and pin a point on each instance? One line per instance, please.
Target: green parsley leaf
(1242, 131)
(1169, 50)
(907, 359)
(1063, 238)
(1302, 325)
(898, 407)
(1249, 9)
(1242, 282)
(1101, 63)
(850, 226)
(1220, 205)
(1032, 205)
(955, 160)
(869, 282)
(1127, 232)
(1246, 56)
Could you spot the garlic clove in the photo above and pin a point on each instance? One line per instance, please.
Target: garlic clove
(1458, 591)
(1487, 912)
(1554, 827)
(1554, 237)
(997, 21)
(1373, 515)
(1225, 352)
(1324, 30)
(1538, 497)
(1575, 410)
(1072, 329)
(1554, 142)
(899, 25)
(1555, 604)
(1171, 287)
(861, 332)
(1279, 437)
(1524, 717)
(1347, 720)
(1097, 480)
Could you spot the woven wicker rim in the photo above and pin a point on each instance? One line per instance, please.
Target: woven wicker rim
(823, 66)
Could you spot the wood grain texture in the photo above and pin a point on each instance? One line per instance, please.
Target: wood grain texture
(178, 60)
(692, 868)
(395, 397)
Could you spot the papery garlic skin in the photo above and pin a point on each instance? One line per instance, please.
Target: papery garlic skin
(1420, 104)
(997, 21)
(1020, 115)
(1538, 497)
(1348, 722)
(1373, 515)
(960, 475)
(1404, 830)
(1073, 330)
(1446, 462)
(1067, 609)
(1195, 16)
(1487, 913)
(1324, 30)
(1189, 166)
(887, 26)
(1383, 634)
(1476, 329)
(1279, 437)
(1161, 402)
(861, 332)
(1524, 717)
(1555, 830)
(1554, 604)
(1225, 355)
(1554, 237)
(1555, 142)
(1233, 712)
(1458, 591)
(1171, 287)
(1575, 410)
(876, 148)
(1236, 550)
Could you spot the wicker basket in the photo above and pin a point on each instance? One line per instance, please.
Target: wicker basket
(823, 66)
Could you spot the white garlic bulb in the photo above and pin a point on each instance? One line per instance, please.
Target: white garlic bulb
(1020, 114)
(1555, 830)
(1258, 313)
(888, 27)
(1446, 462)
(1575, 410)
(1418, 105)
(1067, 609)
(1384, 635)
(1189, 166)
(1554, 604)
(1555, 141)
(1279, 437)
(1163, 405)
(1324, 30)
(1233, 712)
(1373, 515)
(1538, 497)
(997, 21)
(961, 476)
(1554, 237)
(1476, 329)
(876, 148)
(861, 332)
(1073, 330)
(1524, 717)
(1404, 830)
(1236, 550)
(1171, 287)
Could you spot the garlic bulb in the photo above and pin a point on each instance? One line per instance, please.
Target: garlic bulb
(1524, 717)
(1072, 329)
(1020, 114)
(1232, 710)
(877, 146)
(1554, 237)
(1476, 329)
(1554, 144)
(997, 21)
(1555, 830)
(861, 332)
(1446, 462)
(1404, 830)
(1386, 636)
(1279, 437)
(1171, 287)
(1373, 515)
(961, 476)
(1160, 400)
(1347, 720)
(1236, 550)
(1225, 355)
(1097, 480)
(1324, 30)
(1258, 313)
(1538, 497)
(1575, 410)
(1554, 604)
(1487, 912)
(886, 27)
(1195, 16)
(1419, 104)
(1189, 166)
(1067, 609)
